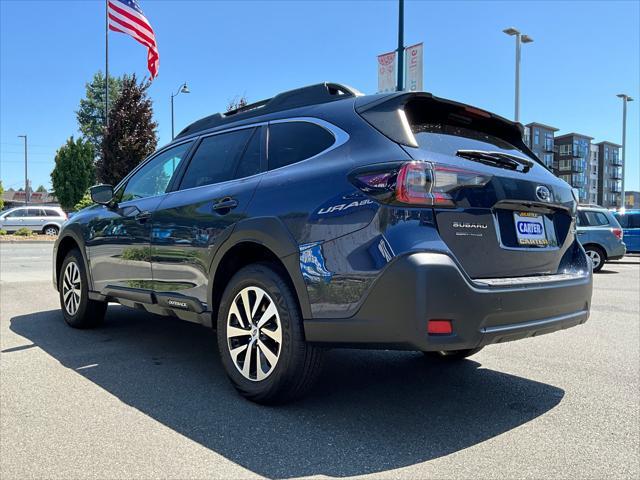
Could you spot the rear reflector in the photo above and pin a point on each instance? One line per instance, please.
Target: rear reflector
(439, 327)
(617, 232)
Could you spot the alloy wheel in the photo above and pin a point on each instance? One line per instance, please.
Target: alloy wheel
(254, 333)
(595, 258)
(51, 231)
(71, 288)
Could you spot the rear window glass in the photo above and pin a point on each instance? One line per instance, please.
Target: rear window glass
(448, 139)
(293, 142)
(629, 220)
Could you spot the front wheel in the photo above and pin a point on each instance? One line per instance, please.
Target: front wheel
(597, 257)
(261, 339)
(452, 355)
(78, 309)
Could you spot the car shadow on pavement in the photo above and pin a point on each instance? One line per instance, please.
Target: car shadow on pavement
(370, 411)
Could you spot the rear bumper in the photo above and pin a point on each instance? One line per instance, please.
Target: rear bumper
(617, 252)
(423, 286)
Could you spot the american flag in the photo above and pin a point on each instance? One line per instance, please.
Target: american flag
(125, 16)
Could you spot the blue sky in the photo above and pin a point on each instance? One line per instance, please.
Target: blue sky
(584, 53)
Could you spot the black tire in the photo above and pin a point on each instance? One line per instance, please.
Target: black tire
(595, 252)
(452, 355)
(297, 363)
(51, 230)
(83, 313)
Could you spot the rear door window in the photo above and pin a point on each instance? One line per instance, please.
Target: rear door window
(217, 159)
(592, 219)
(292, 142)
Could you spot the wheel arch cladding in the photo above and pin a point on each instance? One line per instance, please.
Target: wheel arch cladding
(258, 240)
(67, 243)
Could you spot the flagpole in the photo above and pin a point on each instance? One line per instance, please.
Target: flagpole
(106, 63)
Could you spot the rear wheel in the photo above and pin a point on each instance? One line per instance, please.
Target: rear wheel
(596, 255)
(51, 230)
(452, 355)
(78, 309)
(261, 339)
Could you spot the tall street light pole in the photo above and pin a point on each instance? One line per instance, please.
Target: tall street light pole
(625, 99)
(400, 85)
(26, 181)
(182, 89)
(520, 39)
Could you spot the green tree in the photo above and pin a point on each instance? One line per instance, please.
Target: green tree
(41, 189)
(90, 115)
(1, 192)
(131, 136)
(74, 171)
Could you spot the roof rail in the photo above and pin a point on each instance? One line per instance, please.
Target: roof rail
(300, 97)
(590, 205)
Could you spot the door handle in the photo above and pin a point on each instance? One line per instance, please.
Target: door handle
(143, 216)
(227, 204)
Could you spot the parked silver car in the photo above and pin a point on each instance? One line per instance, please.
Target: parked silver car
(41, 219)
(600, 235)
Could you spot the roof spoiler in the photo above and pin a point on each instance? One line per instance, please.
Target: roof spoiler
(388, 114)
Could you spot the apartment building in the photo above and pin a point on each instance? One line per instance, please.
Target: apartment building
(609, 174)
(572, 158)
(539, 138)
(592, 174)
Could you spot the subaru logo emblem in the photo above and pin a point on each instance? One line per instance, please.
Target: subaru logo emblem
(543, 193)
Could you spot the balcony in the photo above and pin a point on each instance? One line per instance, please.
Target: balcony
(577, 166)
(578, 180)
(579, 152)
(548, 146)
(616, 173)
(616, 187)
(615, 160)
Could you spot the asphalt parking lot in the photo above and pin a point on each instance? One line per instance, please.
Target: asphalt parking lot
(145, 396)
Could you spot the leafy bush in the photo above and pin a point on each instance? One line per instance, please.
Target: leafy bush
(2, 232)
(24, 232)
(84, 202)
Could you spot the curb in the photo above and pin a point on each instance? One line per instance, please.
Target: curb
(30, 242)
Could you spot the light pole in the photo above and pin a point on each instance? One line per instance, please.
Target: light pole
(400, 85)
(26, 181)
(625, 99)
(520, 38)
(182, 89)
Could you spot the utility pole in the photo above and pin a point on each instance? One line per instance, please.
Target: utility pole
(520, 39)
(26, 177)
(625, 99)
(400, 85)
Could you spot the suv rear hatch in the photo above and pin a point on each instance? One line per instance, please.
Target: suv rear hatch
(497, 207)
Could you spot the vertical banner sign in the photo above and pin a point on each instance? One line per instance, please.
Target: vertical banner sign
(413, 68)
(387, 72)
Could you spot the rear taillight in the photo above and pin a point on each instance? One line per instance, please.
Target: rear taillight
(416, 183)
(617, 232)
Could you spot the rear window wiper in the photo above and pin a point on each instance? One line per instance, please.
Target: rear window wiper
(498, 159)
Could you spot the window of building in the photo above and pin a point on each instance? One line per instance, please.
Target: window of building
(564, 165)
(292, 142)
(217, 159)
(536, 136)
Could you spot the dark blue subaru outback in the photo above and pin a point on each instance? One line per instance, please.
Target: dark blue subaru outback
(322, 217)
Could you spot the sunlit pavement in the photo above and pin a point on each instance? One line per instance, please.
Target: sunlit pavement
(146, 397)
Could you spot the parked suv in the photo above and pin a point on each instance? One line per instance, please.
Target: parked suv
(600, 234)
(630, 222)
(41, 219)
(322, 217)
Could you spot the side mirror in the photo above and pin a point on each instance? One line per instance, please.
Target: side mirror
(102, 194)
